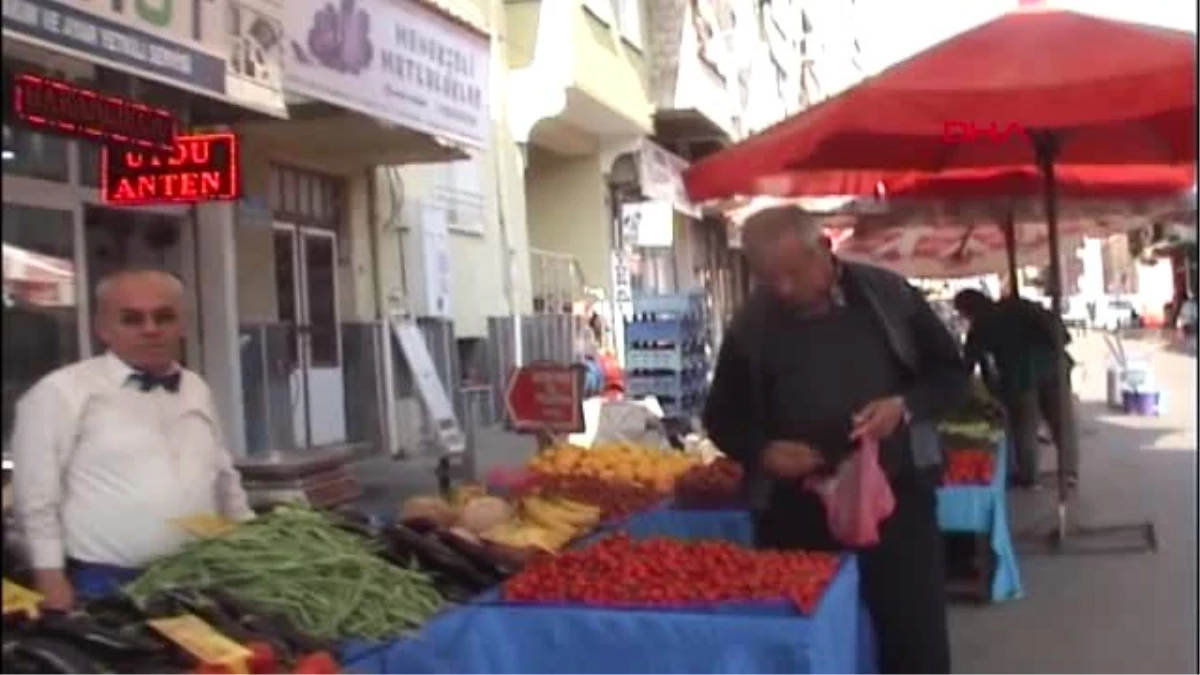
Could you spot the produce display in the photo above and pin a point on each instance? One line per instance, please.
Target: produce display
(709, 486)
(628, 464)
(619, 571)
(114, 635)
(546, 524)
(970, 438)
(510, 531)
(307, 567)
(616, 500)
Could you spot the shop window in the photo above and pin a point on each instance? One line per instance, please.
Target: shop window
(89, 164)
(320, 268)
(33, 155)
(27, 152)
(306, 198)
(41, 317)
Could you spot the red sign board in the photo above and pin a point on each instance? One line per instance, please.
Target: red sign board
(546, 396)
(64, 108)
(198, 169)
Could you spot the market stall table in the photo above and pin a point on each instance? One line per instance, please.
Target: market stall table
(489, 636)
(981, 509)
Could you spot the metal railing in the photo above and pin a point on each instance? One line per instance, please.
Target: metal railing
(556, 279)
(273, 395)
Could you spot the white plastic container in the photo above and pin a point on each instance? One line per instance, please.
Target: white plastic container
(1134, 375)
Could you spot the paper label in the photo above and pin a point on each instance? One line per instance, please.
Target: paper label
(205, 525)
(201, 640)
(18, 599)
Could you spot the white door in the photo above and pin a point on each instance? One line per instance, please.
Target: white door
(306, 283)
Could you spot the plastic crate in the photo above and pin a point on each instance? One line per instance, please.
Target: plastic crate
(669, 330)
(673, 359)
(674, 386)
(688, 304)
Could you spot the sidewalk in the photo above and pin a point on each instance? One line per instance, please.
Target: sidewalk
(1106, 613)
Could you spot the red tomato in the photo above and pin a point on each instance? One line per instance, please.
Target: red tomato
(317, 663)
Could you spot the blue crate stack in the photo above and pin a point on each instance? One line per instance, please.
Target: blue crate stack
(665, 351)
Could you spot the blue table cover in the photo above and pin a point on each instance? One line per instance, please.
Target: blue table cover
(490, 637)
(961, 508)
(984, 509)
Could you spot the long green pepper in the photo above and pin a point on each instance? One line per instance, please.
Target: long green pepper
(299, 563)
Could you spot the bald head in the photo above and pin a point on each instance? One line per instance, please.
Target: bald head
(764, 229)
(139, 318)
(788, 253)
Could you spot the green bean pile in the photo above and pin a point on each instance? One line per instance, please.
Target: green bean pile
(300, 564)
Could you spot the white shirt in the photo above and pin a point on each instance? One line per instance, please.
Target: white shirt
(101, 467)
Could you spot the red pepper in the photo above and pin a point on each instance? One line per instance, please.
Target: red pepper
(263, 660)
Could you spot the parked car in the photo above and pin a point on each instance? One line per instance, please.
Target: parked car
(1189, 315)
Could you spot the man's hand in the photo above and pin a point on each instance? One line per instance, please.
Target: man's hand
(790, 459)
(57, 589)
(879, 419)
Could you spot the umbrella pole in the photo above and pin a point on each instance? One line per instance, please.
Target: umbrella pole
(1046, 146)
(1009, 226)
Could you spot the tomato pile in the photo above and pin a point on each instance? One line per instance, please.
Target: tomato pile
(615, 499)
(620, 571)
(714, 485)
(970, 467)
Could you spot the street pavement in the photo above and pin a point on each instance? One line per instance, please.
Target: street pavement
(1113, 613)
(1081, 613)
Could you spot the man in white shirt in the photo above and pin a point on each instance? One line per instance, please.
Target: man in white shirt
(110, 450)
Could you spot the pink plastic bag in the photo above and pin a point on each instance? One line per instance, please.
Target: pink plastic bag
(857, 497)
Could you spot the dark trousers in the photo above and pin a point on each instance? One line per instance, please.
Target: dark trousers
(1026, 410)
(903, 577)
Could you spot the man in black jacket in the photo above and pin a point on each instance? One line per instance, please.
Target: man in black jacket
(824, 354)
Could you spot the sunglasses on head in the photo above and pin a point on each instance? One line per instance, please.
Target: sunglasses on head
(133, 318)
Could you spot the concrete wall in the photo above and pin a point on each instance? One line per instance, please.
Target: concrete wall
(568, 212)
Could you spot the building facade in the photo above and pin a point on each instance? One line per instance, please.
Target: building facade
(295, 261)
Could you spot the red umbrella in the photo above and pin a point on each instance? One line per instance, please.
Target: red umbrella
(1113, 93)
(1037, 87)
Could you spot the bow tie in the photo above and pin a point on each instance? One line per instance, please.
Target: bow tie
(149, 382)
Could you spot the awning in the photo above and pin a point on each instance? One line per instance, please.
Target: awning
(463, 12)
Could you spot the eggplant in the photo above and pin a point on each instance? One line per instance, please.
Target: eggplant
(89, 635)
(288, 640)
(422, 525)
(47, 655)
(483, 559)
(437, 557)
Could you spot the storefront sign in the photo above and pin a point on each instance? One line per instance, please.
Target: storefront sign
(661, 174)
(395, 60)
(59, 107)
(199, 169)
(161, 40)
(231, 50)
(651, 223)
(546, 396)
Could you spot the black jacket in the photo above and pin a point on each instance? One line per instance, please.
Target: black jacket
(936, 373)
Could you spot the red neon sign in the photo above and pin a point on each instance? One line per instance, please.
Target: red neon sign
(67, 109)
(955, 132)
(198, 169)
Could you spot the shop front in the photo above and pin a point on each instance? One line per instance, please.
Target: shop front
(98, 174)
(320, 267)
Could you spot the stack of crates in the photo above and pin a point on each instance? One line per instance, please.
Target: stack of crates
(665, 351)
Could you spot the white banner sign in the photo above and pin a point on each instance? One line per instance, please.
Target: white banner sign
(226, 49)
(395, 60)
(435, 263)
(651, 224)
(661, 174)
